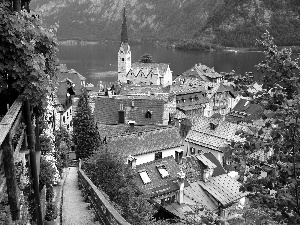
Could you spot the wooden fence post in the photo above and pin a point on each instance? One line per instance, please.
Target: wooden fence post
(11, 182)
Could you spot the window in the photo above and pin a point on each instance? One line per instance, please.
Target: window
(158, 155)
(192, 149)
(191, 99)
(144, 176)
(67, 114)
(123, 59)
(70, 111)
(163, 171)
(183, 100)
(177, 101)
(168, 200)
(200, 151)
(148, 115)
(64, 119)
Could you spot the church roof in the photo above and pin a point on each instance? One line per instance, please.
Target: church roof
(156, 68)
(124, 37)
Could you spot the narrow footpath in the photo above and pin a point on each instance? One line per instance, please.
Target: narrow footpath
(74, 208)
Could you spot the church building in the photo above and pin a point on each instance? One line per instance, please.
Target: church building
(139, 72)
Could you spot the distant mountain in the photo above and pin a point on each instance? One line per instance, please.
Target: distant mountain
(223, 22)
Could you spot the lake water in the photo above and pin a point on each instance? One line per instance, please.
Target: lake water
(93, 60)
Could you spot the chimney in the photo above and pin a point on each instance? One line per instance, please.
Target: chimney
(131, 125)
(180, 176)
(132, 162)
(207, 173)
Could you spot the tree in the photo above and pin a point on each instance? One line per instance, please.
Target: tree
(109, 173)
(85, 133)
(146, 58)
(277, 193)
(63, 143)
(28, 57)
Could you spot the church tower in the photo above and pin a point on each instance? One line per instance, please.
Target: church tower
(124, 54)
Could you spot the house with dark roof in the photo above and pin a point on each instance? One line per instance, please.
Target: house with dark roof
(143, 110)
(196, 181)
(210, 135)
(245, 111)
(138, 147)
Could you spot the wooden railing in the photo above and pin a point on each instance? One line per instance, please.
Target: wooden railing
(12, 136)
(105, 212)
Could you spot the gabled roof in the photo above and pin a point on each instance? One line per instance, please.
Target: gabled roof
(139, 143)
(194, 165)
(245, 111)
(158, 185)
(127, 89)
(107, 130)
(223, 188)
(156, 68)
(178, 115)
(202, 134)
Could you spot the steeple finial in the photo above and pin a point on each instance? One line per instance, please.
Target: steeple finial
(124, 37)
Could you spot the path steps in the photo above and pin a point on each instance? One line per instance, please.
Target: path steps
(74, 208)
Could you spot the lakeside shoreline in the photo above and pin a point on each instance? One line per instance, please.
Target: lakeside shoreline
(295, 49)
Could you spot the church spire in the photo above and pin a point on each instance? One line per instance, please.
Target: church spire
(124, 37)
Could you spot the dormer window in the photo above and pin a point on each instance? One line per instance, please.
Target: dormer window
(144, 176)
(148, 115)
(191, 99)
(183, 100)
(162, 171)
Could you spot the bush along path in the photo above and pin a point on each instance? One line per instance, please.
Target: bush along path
(75, 209)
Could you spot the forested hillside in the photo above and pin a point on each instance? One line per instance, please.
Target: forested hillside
(218, 22)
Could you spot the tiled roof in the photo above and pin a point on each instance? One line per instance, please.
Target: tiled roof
(178, 210)
(245, 111)
(115, 130)
(178, 115)
(158, 185)
(142, 89)
(189, 107)
(160, 68)
(164, 97)
(139, 143)
(195, 193)
(223, 188)
(186, 89)
(106, 110)
(202, 134)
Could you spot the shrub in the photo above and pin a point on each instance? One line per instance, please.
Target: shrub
(51, 212)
